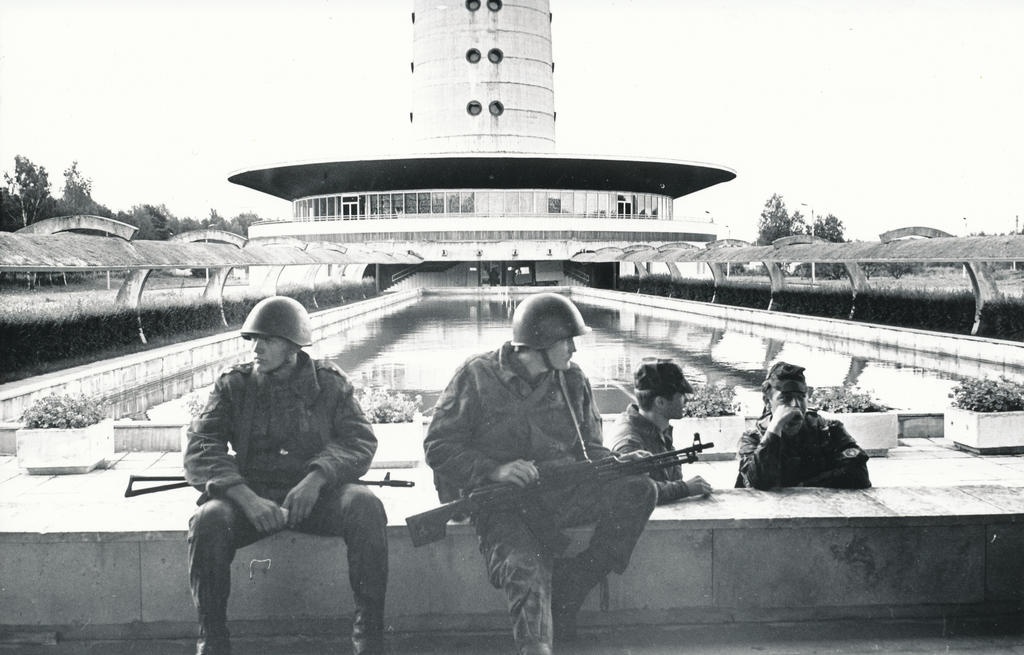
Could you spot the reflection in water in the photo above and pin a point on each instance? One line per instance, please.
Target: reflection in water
(418, 347)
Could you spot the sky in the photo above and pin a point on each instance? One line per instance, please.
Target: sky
(884, 113)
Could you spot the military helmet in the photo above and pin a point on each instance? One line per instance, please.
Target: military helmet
(544, 319)
(279, 316)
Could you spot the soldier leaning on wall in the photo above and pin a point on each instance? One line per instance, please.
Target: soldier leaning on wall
(792, 446)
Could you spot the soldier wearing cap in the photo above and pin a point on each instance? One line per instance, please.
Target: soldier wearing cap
(644, 427)
(792, 446)
(511, 416)
(300, 441)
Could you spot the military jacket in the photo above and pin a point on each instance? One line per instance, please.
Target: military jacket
(328, 428)
(822, 454)
(632, 432)
(490, 414)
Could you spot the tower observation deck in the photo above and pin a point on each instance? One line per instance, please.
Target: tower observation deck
(485, 199)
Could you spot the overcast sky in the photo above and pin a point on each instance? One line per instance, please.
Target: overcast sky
(884, 113)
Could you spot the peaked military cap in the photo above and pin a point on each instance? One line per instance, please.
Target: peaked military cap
(662, 376)
(787, 377)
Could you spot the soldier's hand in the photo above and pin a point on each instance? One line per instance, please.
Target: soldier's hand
(300, 500)
(266, 515)
(785, 420)
(698, 486)
(519, 472)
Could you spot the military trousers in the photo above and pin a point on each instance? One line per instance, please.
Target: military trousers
(519, 554)
(351, 511)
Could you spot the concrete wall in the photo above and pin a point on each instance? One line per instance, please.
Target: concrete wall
(747, 556)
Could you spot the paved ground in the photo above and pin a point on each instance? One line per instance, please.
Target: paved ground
(836, 638)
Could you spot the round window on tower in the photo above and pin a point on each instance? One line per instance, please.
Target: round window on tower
(472, 55)
(494, 55)
(493, 5)
(473, 108)
(472, 5)
(496, 108)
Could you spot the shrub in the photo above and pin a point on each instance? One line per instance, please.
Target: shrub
(988, 395)
(710, 401)
(383, 406)
(843, 400)
(63, 411)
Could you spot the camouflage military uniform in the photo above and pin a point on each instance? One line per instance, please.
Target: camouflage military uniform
(631, 433)
(492, 413)
(822, 454)
(280, 431)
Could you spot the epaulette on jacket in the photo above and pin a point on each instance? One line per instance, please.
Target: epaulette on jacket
(328, 366)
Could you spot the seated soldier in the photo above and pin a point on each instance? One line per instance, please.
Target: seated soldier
(792, 446)
(660, 388)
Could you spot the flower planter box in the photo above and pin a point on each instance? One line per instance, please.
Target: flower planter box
(875, 432)
(985, 433)
(399, 445)
(52, 451)
(723, 431)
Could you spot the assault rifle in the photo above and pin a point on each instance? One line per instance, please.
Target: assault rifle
(430, 526)
(178, 482)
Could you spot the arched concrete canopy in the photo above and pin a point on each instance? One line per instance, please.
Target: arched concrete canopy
(975, 253)
(81, 222)
(133, 286)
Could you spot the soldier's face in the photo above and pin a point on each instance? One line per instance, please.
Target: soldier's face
(674, 408)
(560, 354)
(793, 403)
(273, 354)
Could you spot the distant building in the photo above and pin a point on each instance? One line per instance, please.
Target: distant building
(487, 200)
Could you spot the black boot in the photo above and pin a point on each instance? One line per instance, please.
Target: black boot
(368, 627)
(213, 640)
(571, 581)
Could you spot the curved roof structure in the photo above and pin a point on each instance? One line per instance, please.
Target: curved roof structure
(485, 171)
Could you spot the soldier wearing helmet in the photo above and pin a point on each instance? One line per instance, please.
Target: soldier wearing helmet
(509, 416)
(300, 441)
(792, 446)
(645, 426)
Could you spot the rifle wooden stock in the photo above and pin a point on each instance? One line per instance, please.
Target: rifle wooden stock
(178, 482)
(430, 526)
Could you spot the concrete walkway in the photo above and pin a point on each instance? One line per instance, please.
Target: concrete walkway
(833, 638)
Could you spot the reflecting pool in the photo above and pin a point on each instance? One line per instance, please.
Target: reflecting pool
(417, 347)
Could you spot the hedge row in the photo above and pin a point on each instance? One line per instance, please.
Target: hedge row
(32, 344)
(939, 311)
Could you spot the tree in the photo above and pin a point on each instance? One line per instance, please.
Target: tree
(30, 188)
(829, 228)
(776, 222)
(153, 221)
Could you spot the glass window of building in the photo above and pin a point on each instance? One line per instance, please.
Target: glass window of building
(483, 202)
(566, 202)
(350, 206)
(579, 202)
(512, 202)
(410, 203)
(397, 203)
(467, 202)
(373, 204)
(385, 204)
(424, 203)
(554, 204)
(453, 202)
(526, 202)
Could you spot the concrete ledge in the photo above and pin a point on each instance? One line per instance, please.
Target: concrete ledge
(741, 556)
